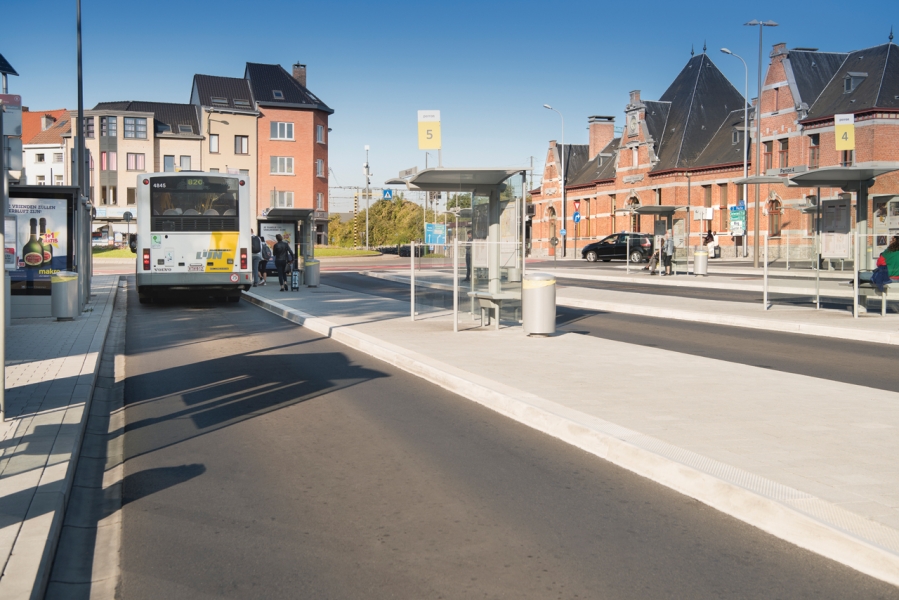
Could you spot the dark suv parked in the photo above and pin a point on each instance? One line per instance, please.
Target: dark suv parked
(617, 246)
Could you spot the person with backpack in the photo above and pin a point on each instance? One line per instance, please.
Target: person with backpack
(283, 256)
(263, 264)
(256, 245)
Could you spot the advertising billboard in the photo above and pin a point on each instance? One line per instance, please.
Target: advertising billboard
(288, 231)
(42, 241)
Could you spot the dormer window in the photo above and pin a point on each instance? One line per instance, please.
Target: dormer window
(736, 137)
(238, 102)
(185, 129)
(278, 94)
(218, 100)
(163, 128)
(852, 81)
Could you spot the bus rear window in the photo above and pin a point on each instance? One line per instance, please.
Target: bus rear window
(194, 203)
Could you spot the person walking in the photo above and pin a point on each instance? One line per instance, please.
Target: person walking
(256, 244)
(667, 252)
(282, 255)
(263, 264)
(468, 258)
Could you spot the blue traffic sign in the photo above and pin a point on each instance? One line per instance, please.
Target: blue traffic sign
(388, 195)
(576, 217)
(563, 232)
(435, 234)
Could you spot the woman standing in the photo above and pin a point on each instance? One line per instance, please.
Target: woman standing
(283, 255)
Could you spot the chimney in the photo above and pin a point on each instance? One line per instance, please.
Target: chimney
(635, 97)
(602, 131)
(299, 73)
(779, 49)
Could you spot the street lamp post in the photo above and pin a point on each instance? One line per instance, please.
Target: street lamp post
(745, 136)
(367, 195)
(758, 136)
(562, 179)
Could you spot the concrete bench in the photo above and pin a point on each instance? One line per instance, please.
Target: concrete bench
(488, 302)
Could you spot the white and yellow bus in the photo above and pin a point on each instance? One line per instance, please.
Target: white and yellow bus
(193, 234)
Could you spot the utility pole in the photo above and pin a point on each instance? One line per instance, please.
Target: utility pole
(367, 195)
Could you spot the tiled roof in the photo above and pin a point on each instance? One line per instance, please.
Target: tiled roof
(878, 87)
(701, 98)
(721, 149)
(164, 113)
(265, 80)
(31, 122)
(230, 93)
(576, 156)
(811, 71)
(601, 166)
(54, 133)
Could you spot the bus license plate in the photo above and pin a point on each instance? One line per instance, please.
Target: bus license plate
(197, 268)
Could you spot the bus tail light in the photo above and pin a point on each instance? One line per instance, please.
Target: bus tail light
(146, 259)
(243, 258)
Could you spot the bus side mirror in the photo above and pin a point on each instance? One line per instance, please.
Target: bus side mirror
(132, 242)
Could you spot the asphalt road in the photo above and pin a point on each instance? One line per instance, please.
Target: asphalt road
(860, 363)
(266, 462)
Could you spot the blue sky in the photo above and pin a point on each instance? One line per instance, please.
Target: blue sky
(487, 66)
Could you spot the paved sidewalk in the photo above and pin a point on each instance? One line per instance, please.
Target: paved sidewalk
(51, 370)
(870, 327)
(809, 460)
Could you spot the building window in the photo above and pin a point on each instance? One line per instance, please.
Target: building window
(89, 127)
(136, 128)
(219, 100)
(39, 158)
(847, 158)
(282, 165)
(852, 81)
(784, 158)
(108, 126)
(168, 163)
(612, 202)
(768, 148)
(282, 199)
(241, 102)
(319, 168)
(635, 157)
(241, 144)
(185, 163)
(103, 161)
(185, 128)
(320, 201)
(135, 162)
(278, 94)
(707, 196)
(774, 214)
(214, 143)
(57, 179)
(41, 180)
(57, 157)
(281, 131)
(131, 195)
(722, 205)
(657, 193)
(320, 134)
(736, 137)
(213, 170)
(113, 162)
(814, 150)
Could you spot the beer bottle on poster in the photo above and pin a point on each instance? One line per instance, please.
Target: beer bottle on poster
(48, 248)
(33, 250)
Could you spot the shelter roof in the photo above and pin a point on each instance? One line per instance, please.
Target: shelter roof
(878, 70)
(444, 179)
(265, 80)
(843, 177)
(5, 67)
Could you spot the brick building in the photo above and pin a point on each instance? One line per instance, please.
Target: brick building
(686, 149)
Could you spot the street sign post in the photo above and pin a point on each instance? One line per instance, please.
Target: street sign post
(577, 205)
(563, 232)
(576, 217)
(387, 194)
(435, 234)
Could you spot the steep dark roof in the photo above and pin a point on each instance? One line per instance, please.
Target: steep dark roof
(878, 89)
(164, 113)
(5, 67)
(812, 71)
(701, 98)
(601, 166)
(656, 117)
(265, 79)
(722, 150)
(228, 89)
(575, 158)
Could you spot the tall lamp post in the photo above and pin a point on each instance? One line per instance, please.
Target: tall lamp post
(367, 172)
(758, 136)
(562, 179)
(745, 136)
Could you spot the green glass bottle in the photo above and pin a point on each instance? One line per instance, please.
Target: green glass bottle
(48, 248)
(33, 250)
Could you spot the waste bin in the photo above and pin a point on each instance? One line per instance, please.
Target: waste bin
(312, 273)
(701, 262)
(538, 304)
(64, 295)
(717, 252)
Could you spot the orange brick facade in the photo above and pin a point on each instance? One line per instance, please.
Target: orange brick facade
(787, 141)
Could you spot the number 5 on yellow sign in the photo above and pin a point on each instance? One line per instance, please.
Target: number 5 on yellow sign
(429, 130)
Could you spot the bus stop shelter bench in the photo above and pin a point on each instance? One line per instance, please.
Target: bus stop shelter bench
(883, 295)
(488, 302)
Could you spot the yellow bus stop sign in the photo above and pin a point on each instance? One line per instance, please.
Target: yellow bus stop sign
(429, 130)
(844, 131)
